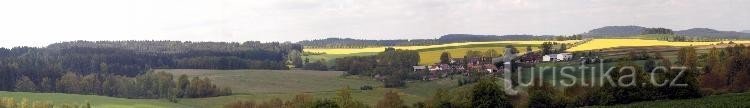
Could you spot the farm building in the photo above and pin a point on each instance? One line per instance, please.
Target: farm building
(557, 57)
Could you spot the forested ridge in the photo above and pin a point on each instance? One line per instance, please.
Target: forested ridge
(88, 67)
(445, 39)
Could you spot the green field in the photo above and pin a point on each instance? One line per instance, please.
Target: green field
(95, 101)
(262, 85)
(329, 58)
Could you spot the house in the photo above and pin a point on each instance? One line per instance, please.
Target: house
(549, 57)
(557, 57)
(564, 56)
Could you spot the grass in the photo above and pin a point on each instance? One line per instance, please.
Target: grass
(276, 81)
(380, 49)
(329, 58)
(263, 85)
(95, 101)
(717, 101)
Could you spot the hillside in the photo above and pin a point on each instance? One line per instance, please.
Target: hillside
(445, 39)
(711, 33)
(619, 31)
(610, 31)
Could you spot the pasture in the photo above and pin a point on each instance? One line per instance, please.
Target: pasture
(263, 85)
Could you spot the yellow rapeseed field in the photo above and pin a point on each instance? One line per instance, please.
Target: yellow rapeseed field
(611, 43)
(380, 49)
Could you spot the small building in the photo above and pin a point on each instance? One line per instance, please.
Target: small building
(419, 68)
(549, 57)
(564, 56)
(557, 57)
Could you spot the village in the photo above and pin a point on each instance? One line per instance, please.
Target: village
(489, 65)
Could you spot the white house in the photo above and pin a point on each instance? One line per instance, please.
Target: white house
(557, 57)
(549, 57)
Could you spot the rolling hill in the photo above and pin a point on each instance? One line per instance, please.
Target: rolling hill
(619, 31)
(711, 33)
(613, 31)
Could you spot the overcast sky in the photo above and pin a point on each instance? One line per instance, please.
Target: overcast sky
(39, 22)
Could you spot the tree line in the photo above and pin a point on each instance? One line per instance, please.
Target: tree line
(727, 70)
(95, 61)
(393, 65)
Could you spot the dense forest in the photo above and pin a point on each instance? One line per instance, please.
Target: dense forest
(86, 67)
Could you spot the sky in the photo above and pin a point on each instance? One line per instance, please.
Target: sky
(40, 22)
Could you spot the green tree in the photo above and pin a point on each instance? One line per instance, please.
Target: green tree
(391, 99)
(441, 99)
(294, 58)
(529, 49)
(344, 99)
(47, 85)
(182, 84)
(488, 94)
(25, 85)
(688, 58)
(445, 58)
(546, 48)
(325, 103)
(542, 95)
(69, 83)
(472, 53)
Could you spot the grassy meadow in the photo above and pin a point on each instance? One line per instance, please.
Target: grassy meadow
(263, 85)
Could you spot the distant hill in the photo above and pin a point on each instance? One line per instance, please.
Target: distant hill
(613, 31)
(450, 38)
(711, 33)
(610, 31)
(745, 31)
